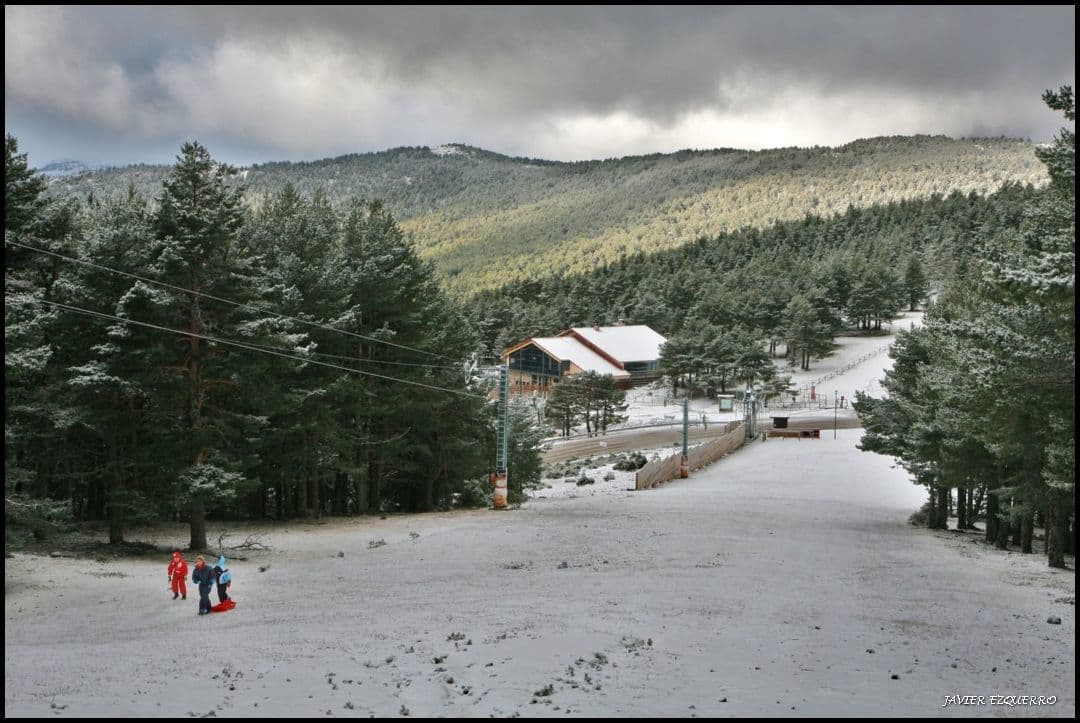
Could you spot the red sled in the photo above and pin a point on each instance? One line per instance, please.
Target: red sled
(223, 606)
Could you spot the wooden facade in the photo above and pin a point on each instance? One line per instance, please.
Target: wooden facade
(538, 363)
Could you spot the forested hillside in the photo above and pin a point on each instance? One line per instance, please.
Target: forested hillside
(861, 266)
(723, 301)
(486, 219)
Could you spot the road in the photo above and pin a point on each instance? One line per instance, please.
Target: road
(638, 439)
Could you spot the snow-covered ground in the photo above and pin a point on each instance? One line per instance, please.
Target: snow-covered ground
(858, 364)
(621, 482)
(783, 580)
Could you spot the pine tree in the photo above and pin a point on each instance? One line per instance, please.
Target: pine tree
(804, 333)
(523, 465)
(983, 396)
(391, 296)
(903, 425)
(676, 359)
(103, 387)
(294, 242)
(38, 234)
(27, 324)
(23, 189)
(563, 407)
(195, 249)
(752, 363)
(1035, 285)
(915, 284)
(610, 404)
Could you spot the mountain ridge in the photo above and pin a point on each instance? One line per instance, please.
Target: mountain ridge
(485, 218)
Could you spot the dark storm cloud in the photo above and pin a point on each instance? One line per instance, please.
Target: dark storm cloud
(555, 81)
(658, 61)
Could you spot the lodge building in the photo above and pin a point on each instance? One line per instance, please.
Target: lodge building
(630, 354)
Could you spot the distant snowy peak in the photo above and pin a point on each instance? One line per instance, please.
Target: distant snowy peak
(60, 169)
(450, 149)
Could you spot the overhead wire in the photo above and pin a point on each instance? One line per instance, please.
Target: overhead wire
(218, 298)
(243, 345)
(368, 361)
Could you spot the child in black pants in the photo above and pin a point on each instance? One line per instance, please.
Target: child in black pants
(204, 577)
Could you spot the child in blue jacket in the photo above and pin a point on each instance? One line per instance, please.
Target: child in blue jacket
(204, 577)
(224, 578)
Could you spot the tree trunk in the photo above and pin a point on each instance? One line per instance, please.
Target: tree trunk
(42, 477)
(961, 508)
(360, 494)
(302, 491)
(374, 486)
(339, 492)
(931, 515)
(1027, 529)
(1070, 535)
(196, 396)
(439, 488)
(313, 475)
(198, 524)
(1057, 519)
(991, 516)
(942, 522)
(116, 524)
(258, 501)
(426, 491)
(1002, 542)
(70, 491)
(95, 498)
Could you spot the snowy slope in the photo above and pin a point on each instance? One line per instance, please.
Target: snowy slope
(782, 581)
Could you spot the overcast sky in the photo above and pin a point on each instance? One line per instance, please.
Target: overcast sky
(126, 85)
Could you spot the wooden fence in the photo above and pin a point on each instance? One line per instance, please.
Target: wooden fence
(666, 469)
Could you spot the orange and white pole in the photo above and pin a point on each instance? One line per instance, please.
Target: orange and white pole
(499, 498)
(684, 465)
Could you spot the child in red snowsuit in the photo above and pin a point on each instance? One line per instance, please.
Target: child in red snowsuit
(178, 575)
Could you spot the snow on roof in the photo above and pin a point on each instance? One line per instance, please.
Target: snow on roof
(625, 343)
(567, 348)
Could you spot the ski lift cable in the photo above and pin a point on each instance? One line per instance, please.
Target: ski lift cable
(242, 345)
(218, 298)
(366, 361)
